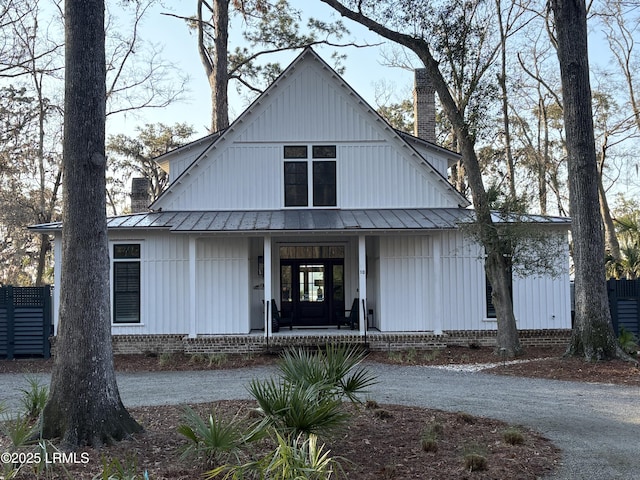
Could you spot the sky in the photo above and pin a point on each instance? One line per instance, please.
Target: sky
(364, 68)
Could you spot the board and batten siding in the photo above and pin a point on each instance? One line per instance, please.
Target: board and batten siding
(407, 295)
(371, 176)
(180, 162)
(222, 286)
(251, 177)
(544, 302)
(309, 106)
(164, 274)
(241, 177)
(406, 266)
(464, 284)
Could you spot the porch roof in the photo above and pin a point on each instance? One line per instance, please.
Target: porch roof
(305, 220)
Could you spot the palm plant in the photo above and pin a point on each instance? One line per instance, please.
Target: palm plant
(215, 439)
(305, 400)
(628, 232)
(301, 459)
(295, 409)
(337, 367)
(34, 398)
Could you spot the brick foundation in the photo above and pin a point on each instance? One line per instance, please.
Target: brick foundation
(157, 344)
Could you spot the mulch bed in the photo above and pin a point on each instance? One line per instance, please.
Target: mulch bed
(380, 442)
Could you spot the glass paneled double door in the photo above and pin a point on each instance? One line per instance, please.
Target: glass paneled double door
(312, 291)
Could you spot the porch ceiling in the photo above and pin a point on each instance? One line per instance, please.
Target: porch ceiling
(304, 220)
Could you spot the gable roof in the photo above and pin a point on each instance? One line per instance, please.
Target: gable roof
(402, 140)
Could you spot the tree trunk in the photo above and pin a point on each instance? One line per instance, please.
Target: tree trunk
(84, 406)
(611, 244)
(508, 342)
(593, 335)
(215, 63)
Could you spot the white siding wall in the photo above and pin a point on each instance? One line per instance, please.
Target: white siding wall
(463, 280)
(406, 269)
(438, 162)
(398, 285)
(164, 274)
(179, 162)
(544, 302)
(309, 105)
(250, 177)
(243, 177)
(222, 279)
(406, 297)
(369, 176)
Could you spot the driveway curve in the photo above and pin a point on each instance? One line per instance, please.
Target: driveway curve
(597, 426)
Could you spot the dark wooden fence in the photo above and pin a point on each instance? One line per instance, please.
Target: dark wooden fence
(624, 301)
(25, 322)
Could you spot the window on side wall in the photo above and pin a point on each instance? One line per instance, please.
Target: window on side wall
(126, 283)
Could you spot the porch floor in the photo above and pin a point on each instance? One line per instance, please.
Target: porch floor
(313, 332)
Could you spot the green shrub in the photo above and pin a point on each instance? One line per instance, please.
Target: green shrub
(34, 398)
(465, 418)
(165, 358)
(214, 439)
(305, 400)
(475, 458)
(295, 409)
(432, 355)
(197, 358)
(295, 458)
(474, 462)
(513, 436)
(117, 470)
(429, 441)
(218, 359)
(20, 430)
(337, 367)
(628, 341)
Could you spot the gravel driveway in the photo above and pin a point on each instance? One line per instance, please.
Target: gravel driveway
(596, 425)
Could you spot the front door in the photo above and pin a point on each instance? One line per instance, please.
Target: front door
(312, 291)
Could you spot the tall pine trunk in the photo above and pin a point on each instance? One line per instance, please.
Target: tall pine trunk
(84, 406)
(593, 335)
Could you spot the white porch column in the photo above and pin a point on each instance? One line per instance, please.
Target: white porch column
(57, 278)
(268, 294)
(193, 331)
(362, 283)
(436, 242)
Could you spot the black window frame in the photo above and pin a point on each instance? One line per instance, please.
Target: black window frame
(126, 284)
(324, 191)
(316, 182)
(296, 184)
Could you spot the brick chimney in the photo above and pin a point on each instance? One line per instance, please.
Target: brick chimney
(140, 195)
(424, 106)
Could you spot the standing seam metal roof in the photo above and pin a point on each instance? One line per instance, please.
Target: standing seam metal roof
(307, 220)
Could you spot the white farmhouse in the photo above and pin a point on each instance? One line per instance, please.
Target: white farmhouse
(310, 202)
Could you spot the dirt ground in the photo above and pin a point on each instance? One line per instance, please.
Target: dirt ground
(379, 442)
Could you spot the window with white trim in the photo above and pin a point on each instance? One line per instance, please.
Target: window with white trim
(126, 283)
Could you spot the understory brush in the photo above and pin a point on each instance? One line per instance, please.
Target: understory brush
(303, 402)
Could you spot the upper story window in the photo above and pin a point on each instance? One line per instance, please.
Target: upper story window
(319, 188)
(126, 283)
